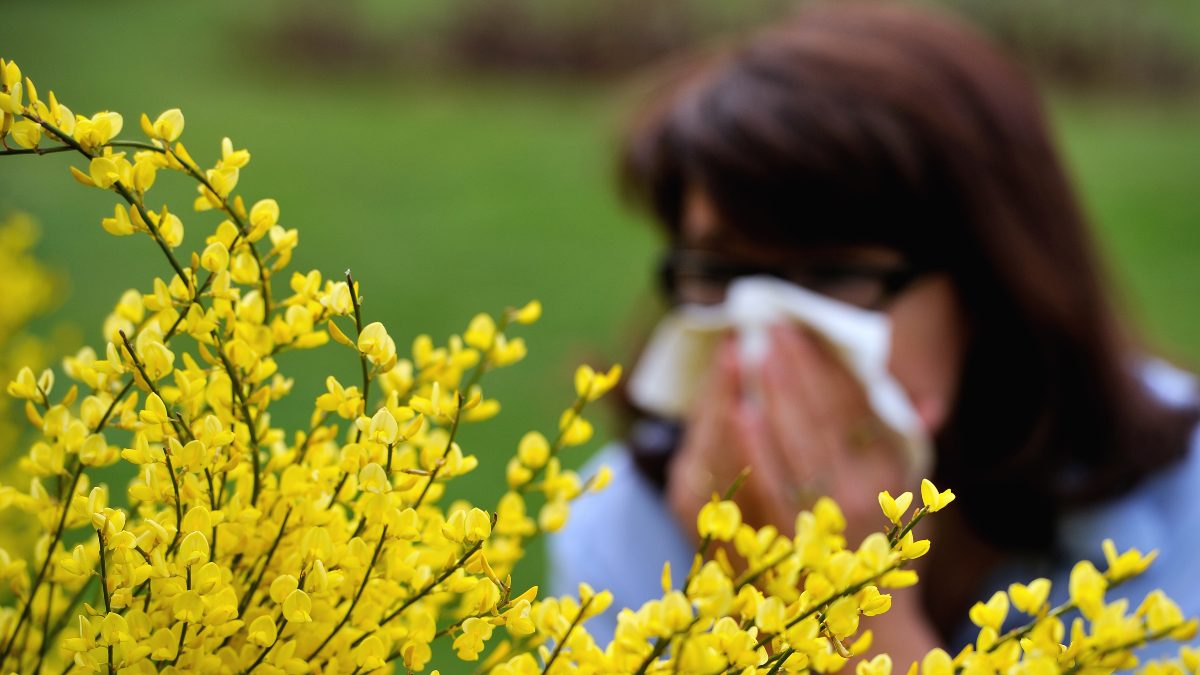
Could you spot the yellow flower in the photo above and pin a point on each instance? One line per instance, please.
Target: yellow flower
(475, 632)
(119, 225)
(719, 520)
(26, 133)
(370, 654)
(575, 429)
(377, 345)
(533, 450)
(114, 629)
(97, 130)
(155, 411)
(10, 101)
(530, 313)
(602, 478)
(1030, 598)
(263, 216)
(168, 127)
(262, 631)
(894, 509)
(282, 587)
(517, 619)
(188, 606)
(194, 549)
(553, 515)
(24, 386)
(373, 478)
(873, 603)
(478, 526)
(934, 500)
(215, 257)
(481, 332)
(992, 613)
(296, 607)
(1087, 587)
(842, 617)
(880, 665)
(383, 427)
(769, 616)
(937, 662)
(1128, 564)
(590, 385)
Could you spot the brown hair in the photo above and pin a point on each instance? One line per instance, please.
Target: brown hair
(866, 123)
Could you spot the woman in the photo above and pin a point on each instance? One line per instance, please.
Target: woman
(892, 159)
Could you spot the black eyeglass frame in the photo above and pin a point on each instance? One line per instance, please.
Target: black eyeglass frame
(711, 267)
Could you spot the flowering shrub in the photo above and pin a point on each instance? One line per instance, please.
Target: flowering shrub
(248, 548)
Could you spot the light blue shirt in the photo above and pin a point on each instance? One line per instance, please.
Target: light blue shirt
(618, 539)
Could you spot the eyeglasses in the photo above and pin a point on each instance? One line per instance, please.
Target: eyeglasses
(696, 276)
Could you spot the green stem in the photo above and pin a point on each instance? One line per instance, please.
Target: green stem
(104, 588)
(45, 627)
(362, 358)
(458, 398)
(36, 151)
(779, 660)
(183, 633)
(113, 406)
(166, 450)
(251, 422)
(266, 563)
(570, 629)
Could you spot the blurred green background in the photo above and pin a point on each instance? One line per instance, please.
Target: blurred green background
(457, 155)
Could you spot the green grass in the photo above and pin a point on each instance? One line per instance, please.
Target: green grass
(1138, 166)
(451, 196)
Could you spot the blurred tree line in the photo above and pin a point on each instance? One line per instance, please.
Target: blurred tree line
(1140, 45)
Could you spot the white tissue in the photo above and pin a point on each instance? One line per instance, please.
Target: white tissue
(673, 365)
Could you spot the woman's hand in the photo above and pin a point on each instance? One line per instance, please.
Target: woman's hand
(802, 423)
(804, 426)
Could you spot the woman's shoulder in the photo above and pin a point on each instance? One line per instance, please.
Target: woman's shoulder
(1163, 504)
(1168, 382)
(1159, 514)
(1148, 510)
(617, 539)
(626, 524)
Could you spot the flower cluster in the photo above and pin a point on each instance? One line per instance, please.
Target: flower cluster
(249, 548)
(1101, 638)
(29, 290)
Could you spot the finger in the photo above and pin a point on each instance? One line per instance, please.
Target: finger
(766, 493)
(797, 433)
(831, 389)
(864, 450)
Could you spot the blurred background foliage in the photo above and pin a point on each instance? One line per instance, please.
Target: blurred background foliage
(457, 155)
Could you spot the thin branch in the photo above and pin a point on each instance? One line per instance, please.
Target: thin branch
(251, 422)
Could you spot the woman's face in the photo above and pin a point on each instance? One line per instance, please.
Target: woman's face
(928, 330)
